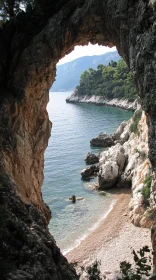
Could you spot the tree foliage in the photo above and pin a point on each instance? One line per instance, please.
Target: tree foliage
(112, 81)
(10, 8)
(140, 269)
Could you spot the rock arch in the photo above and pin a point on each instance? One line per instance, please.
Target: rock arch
(32, 47)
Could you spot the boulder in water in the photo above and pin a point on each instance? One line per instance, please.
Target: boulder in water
(89, 171)
(91, 158)
(103, 140)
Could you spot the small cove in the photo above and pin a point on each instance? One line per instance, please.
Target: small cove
(73, 127)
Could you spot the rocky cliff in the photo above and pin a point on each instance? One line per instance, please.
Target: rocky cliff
(30, 46)
(126, 163)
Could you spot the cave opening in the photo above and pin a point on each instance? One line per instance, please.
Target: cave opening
(28, 67)
(64, 158)
(70, 224)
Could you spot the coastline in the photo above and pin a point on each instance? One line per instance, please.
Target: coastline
(112, 241)
(100, 100)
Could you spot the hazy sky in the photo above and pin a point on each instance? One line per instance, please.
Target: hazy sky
(85, 50)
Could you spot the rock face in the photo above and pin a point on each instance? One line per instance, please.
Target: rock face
(28, 251)
(128, 164)
(30, 46)
(111, 166)
(102, 140)
(89, 171)
(101, 100)
(108, 140)
(91, 158)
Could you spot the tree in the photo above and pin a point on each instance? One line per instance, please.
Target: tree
(112, 81)
(10, 8)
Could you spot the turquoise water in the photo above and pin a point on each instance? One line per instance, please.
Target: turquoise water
(73, 127)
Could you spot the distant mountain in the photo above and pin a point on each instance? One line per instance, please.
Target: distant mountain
(68, 74)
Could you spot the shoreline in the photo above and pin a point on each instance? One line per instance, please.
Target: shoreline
(91, 230)
(112, 240)
(101, 101)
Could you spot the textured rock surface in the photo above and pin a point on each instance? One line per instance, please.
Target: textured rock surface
(108, 140)
(89, 171)
(28, 251)
(30, 47)
(91, 158)
(128, 164)
(103, 140)
(111, 166)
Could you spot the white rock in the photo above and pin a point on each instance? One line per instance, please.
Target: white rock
(108, 175)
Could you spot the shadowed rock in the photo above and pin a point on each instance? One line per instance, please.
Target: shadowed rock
(89, 171)
(91, 158)
(103, 140)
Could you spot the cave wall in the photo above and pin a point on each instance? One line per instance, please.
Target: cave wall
(30, 47)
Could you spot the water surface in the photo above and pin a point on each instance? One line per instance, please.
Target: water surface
(73, 127)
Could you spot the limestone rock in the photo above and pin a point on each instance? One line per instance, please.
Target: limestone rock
(103, 140)
(89, 171)
(108, 175)
(121, 135)
(111, 165)
(91, 158)
(101, 100)
(28, 250)
(120, 129)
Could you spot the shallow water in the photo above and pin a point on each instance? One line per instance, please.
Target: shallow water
(73, 127)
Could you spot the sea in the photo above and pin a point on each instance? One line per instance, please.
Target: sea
(73, 126)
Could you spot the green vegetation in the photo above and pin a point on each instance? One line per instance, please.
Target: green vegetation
(68, 74)
(11, 8)
(93, 272)
(135, 120)
(141, 153)
(141, 269)
(112, 81)
(146, 190)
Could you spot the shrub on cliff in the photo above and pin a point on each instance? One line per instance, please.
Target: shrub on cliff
(146, 190)
(135, 121)
(10, 8)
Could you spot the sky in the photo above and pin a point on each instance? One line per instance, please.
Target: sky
(80, 51)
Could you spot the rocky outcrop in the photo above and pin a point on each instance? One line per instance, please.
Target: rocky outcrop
(28, 251)
(91, 158)
(103, 140)
(128, 164)
(111, 164)
(108, 140)
(101, 100)
(89, 171)
(31, 45)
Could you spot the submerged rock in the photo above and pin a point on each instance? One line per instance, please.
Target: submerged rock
(91, 158)
(90, 171)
